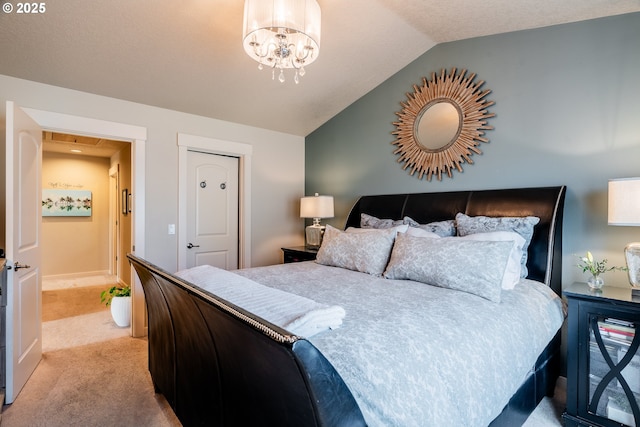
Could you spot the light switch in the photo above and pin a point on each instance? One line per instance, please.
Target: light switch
(172, 229)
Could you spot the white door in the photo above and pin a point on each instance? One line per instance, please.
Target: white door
(23, 219)
(212, 210)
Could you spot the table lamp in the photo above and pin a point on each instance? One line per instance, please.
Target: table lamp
(316, 207)
(624, 209)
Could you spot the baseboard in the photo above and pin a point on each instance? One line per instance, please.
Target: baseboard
(1, 403)
(71, 276)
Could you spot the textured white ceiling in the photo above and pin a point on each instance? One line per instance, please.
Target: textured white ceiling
(187, 55)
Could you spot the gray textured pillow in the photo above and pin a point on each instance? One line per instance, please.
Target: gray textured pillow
(441, 228)
(512, 274)
(482, 224)
(398, 229)
(476, 267)
(367, 252)
(368, 221)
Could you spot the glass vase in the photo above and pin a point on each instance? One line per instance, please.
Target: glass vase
(595, 281)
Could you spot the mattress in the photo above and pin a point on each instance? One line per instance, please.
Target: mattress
(419, 355)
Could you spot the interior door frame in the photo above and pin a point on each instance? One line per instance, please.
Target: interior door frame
(244, 153)
(137, 136)
(114, 220)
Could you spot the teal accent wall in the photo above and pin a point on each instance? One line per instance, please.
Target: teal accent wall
(567, 105)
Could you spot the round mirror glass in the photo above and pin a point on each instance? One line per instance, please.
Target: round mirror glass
(438, 125)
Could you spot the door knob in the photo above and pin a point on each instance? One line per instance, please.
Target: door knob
(191, 245)
(17, 266)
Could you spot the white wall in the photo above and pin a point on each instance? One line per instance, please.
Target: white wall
(277, 165)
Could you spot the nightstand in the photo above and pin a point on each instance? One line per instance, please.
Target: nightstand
(299, 253)
(603, 361)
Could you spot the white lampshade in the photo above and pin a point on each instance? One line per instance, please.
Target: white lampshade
(316, 207)
(624, 201)
(624, 209)
(282, 34)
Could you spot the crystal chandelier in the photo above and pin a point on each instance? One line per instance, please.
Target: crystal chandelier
(282, 34)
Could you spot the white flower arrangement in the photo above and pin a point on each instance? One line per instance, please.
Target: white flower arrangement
(596, 268)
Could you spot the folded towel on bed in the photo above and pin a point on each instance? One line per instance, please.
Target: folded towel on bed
(299, 315)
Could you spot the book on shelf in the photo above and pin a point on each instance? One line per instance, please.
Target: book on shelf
(617, 329)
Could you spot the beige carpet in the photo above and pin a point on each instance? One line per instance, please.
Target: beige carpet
(101, 384)
(92, 372)
(70, 302)
(549, 411)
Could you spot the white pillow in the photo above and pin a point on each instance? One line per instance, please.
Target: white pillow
(513, 271)
(482, 224)
(364, 252)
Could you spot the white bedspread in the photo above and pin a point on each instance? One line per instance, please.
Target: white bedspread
(419, 355)
(299, 315)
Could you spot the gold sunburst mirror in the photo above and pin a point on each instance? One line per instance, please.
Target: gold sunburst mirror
(442, 124)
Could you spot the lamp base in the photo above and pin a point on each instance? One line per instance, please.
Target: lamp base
(313, 234)
(632, 255)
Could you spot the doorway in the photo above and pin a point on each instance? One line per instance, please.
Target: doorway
(136, 136)
(83, 255)
(23, 133)
(96, 167)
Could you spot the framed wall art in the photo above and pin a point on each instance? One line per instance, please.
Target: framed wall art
(66, 203)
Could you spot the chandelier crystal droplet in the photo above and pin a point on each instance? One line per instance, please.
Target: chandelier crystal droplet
(282, 34)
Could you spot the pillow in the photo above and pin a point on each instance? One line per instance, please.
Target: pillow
(368, 221)
(364, 252)
(441, 228)
(475, 267)
(420, 232)
(481, 224)
(397, 228)
(513, 271)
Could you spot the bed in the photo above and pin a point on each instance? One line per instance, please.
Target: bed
(217, 363)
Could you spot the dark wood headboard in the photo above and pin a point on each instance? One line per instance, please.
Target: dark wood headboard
(545, 251)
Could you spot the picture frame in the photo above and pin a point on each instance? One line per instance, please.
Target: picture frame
(66, 203)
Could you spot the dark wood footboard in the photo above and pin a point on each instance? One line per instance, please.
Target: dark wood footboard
(218, 365)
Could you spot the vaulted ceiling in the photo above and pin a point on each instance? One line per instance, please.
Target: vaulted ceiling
(187, 55)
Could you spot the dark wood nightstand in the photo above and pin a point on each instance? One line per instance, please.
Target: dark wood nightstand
(603, 361)
(299, 253)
